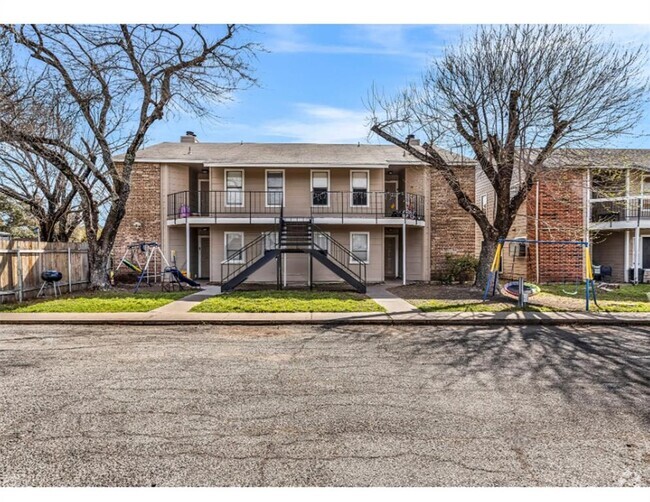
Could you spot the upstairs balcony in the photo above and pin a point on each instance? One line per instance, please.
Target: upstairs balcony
(204, 207)
(620, 212)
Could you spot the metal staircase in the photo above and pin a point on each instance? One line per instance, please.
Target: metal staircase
(296, 235)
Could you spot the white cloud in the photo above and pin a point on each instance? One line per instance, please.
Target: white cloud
(386, 40)
(313, 123)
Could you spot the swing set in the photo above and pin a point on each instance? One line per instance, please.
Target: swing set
(523, 289)
(148, 261)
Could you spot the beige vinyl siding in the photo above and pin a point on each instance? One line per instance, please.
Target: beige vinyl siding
(483, 187)
(178, 178)
(610, 250)
(415, 259)
(636, 178)
(418, 240)
(516, 266)
(176, 244)
(416, 180)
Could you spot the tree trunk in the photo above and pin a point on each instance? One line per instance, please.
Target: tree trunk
(98, 267)
(488, 248)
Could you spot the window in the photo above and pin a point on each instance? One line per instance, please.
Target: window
(484, 202)
(359, 243)
(359, 185)
(320, 181)
(321, 241)
(234, 188)
(645, 187)
(274, 188)
(270, 241)
(233, 242)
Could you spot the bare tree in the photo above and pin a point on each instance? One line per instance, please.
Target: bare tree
(112, 83)
(44, 190)
(512, 97)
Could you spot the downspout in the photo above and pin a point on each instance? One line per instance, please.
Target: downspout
(626, 258)
(537, 231)
(187, 246)
(404, 244)
(637, 243)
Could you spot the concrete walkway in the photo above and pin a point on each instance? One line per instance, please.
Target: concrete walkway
(392, 303)
(186, 303)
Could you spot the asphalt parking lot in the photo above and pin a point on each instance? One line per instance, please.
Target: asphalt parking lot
(326, 406)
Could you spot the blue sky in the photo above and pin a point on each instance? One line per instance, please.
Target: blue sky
(314, 78)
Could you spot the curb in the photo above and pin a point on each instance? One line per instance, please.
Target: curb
(594, 320)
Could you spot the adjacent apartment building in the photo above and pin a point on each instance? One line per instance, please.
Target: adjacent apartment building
(295, 214)
(599, 196)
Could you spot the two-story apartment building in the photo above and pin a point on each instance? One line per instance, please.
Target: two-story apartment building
(599, 196)
(287, 213)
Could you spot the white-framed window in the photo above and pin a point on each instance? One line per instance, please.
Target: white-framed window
(270, 241)
(321, 241)
(232, 244)
(274, 188)
(484, 202)
(234, 183)
(360, 246)
(320, 185)
(359, 182)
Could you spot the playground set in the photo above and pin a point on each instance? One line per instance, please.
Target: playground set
(148, 260)
(522, 290)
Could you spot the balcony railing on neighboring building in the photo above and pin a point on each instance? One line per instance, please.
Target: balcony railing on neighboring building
(320, 204)
(623, 209)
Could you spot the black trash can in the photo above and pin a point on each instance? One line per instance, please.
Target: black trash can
(630, 275)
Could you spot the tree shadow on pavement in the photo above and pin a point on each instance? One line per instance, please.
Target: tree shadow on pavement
(606, 367)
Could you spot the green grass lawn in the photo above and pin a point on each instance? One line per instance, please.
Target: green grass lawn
(626, 293)
(627, 298)
(288, 301)
(98, 302)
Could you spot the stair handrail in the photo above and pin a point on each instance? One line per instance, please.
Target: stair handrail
(345, 263)
(249, 258)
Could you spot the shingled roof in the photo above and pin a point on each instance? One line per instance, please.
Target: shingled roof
(284, 154)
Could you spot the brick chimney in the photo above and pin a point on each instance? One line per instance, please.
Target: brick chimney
(412, 140)
(189, 137)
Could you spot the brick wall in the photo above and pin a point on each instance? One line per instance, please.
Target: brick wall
(561, 217)
(143, 206)
(452, 228)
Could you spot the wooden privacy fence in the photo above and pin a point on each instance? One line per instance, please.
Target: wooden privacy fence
(23, 261)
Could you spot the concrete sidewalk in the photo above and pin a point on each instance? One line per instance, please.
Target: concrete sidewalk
(396, 318)
(392, 303)
(186, 303)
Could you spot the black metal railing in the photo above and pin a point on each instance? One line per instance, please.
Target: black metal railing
(340, 255)
(259, 204)
(224, 204)
(620, 210)
(243, 258)
(367, 204)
